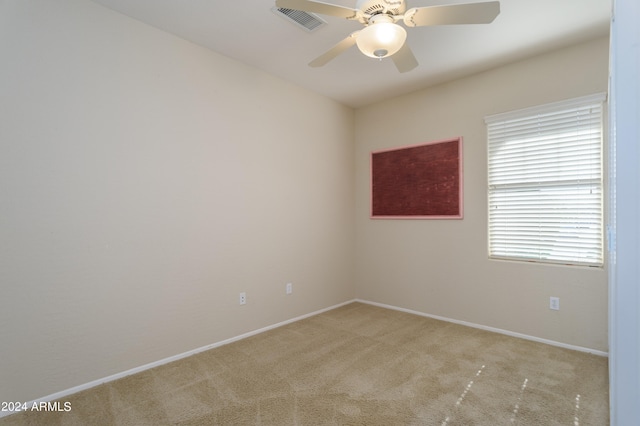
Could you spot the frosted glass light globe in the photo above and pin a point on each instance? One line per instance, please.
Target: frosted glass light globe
(381, 38)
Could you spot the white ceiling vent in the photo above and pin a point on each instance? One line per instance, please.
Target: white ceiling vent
(307, 21)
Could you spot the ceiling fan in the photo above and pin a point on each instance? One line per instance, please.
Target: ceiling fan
(382, 37)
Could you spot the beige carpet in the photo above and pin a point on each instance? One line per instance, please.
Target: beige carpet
(355, 365)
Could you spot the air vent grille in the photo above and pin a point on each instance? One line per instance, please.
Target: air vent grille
(307, 21)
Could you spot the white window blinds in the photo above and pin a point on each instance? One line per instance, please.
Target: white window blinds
(545, 183)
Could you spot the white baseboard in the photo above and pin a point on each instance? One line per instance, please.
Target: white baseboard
(94, 383)
(492, 329)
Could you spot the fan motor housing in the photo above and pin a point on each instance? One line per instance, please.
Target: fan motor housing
(374, 7)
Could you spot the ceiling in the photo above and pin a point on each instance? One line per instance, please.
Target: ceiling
(250, 32)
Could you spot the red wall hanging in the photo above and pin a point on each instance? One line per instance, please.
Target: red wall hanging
(418, 182)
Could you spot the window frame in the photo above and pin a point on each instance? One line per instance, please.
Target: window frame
(549, 246)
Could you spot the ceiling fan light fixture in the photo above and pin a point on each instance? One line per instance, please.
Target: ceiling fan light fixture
(381, 38)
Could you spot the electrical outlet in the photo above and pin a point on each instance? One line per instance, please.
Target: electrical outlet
(243, 298)
(554, 303)
(289, 288)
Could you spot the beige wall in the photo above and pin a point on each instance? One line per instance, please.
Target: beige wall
(440, 267)
(145, 182)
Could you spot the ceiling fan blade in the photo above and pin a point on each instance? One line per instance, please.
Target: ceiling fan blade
(404, 59)
(319, 7)
(335, 50)
(453, 14)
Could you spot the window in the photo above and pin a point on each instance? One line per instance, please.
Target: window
(545, 183)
